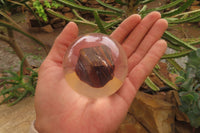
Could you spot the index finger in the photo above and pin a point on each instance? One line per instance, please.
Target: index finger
(125, 28)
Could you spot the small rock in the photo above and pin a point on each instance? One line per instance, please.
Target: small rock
(132, 128)
(69, 15)
(66, 9)
(55, 20)
(196, 3)
(59, 25)
(83, 1)
(131, 125)
(92, 2)
(158, 116)
(182, 127)
(108, 18)
(109, 1)
(50, 15)
(192, 8)
(48, 28)
(33, 22)
(173, 77)
(117, 5)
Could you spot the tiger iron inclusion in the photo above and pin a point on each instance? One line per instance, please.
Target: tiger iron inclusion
(95, 66)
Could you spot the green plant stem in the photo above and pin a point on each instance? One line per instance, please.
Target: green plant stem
(11, 41)
(176, 55)
(175, 64)
(78, 16)
(99, 22)
(188, 19)
(8, 25)
(19, 98)
(111, 24)
(67, 19)
(151, 84)
(178, 10)
(110, 7)
(171, 4)
(165, 80)
(186, 13)
(170, 37)
(9, 19)
(84, 8)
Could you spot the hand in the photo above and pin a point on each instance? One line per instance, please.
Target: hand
(61, 110)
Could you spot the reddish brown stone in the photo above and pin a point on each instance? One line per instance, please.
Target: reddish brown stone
(95, 66)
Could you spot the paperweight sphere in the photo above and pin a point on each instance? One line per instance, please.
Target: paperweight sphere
(95, 65)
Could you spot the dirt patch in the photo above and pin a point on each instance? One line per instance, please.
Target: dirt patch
(35, 53)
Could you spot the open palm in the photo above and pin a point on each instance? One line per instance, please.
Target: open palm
(59, 109)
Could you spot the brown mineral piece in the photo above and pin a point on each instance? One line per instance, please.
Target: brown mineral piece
(95, 66)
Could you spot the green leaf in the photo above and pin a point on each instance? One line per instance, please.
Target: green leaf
(171, 4)
(6, 99)
(186, 97)
(194, 58)
(19, 98)
(199, 104)
(150, 83)
(120, 2)
(21, 68)
(47, 4)
(194, 119)
(99, 22)
(188, 84)
(84, 8)
(2, 23)
(111, 24)
(165, 80)
(145, 1)
(188, 19)
(175, 64)
(4, 91)
(9, 19)
(168, 36)
(178, 10)
(7, 82)
(110, 7)
(68, 19)
(176, 55)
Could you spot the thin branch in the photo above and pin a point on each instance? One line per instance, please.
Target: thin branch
(17, 49)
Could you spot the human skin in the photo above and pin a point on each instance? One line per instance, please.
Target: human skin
(59, 109)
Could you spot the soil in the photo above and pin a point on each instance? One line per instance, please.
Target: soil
(35, 53)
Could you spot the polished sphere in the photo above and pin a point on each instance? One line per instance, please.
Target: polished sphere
(95, 65)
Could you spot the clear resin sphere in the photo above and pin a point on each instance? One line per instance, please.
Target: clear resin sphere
(95, 65)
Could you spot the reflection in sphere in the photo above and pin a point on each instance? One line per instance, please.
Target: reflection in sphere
(95, 65)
